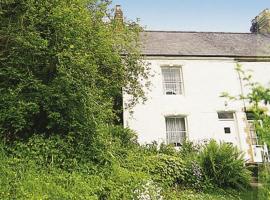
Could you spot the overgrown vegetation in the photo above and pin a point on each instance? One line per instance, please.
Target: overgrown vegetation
(39, 169)
(223, 164)
(62, 70)
(257, 100)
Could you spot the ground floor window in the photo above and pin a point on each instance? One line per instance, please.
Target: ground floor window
(175, 130)
(252, 127)
(252, 131)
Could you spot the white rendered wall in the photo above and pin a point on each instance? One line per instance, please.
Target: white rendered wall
(204, 81)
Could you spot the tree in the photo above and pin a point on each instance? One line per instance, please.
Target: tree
(63, 66)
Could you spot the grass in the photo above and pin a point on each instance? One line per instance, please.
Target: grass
(218, 194)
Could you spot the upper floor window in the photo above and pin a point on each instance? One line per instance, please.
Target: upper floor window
(175, 130)
(172, 80)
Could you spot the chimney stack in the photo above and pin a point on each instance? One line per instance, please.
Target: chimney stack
(261, 23)
(118, 15)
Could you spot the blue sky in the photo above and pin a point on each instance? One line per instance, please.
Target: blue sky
(194, 15)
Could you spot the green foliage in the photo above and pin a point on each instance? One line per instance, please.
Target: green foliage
(62, 70)
(24, 178)
(164, 169)
(223, 164)
(167, 149)
(167, 170)
(217, 194)
(62, 67)
(193, 173)
(69, 153)
(257, 101)
(26, 181)
(259, 98)
(194, 176)
(125, 184)
(189, 150)
(128, 171)
(264, 179)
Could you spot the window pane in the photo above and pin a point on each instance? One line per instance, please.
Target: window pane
(253, 134)
(250, 115)
(172, 83)
(227, 130)
(225, 115)
(175, 130)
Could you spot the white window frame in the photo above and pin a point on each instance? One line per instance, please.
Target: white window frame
(176, 86)
(176, 137)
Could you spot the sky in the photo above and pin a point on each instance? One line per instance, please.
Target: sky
(193, 15)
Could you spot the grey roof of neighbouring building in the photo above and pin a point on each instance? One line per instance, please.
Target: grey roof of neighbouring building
(179, 43)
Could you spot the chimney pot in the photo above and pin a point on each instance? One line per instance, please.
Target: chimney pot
(261, 23)
(118, 15)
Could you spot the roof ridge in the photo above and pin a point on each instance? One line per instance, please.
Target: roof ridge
(164, 31)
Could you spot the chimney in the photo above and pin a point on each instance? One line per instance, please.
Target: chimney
(118, 15)
(261, 23)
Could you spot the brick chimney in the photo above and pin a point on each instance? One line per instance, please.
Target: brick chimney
(118, 15)
(261, 23)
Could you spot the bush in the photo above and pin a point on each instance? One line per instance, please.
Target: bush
(53, 151)
(223, 164)
(189, 150)
(194, 177)
(123, 183)
(167, 149)
(23, 178)
(165, 169)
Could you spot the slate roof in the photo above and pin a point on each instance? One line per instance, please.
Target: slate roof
(179, 43)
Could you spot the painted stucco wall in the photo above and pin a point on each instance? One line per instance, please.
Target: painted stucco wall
(204, 81)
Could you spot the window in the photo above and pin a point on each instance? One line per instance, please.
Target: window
(250, 115)
(172, 80)
(227, 130)
(252, 132)
(252, 127)
(175, 130)
(225, 115)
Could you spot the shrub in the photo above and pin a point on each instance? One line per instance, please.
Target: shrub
(167, 149)
(123, 183)
(115, 142)
(223, 164)
(167, 170)
(23, 178)
(189, 150)
(194, 176)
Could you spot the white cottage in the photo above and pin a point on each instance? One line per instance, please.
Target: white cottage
(191, 71)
